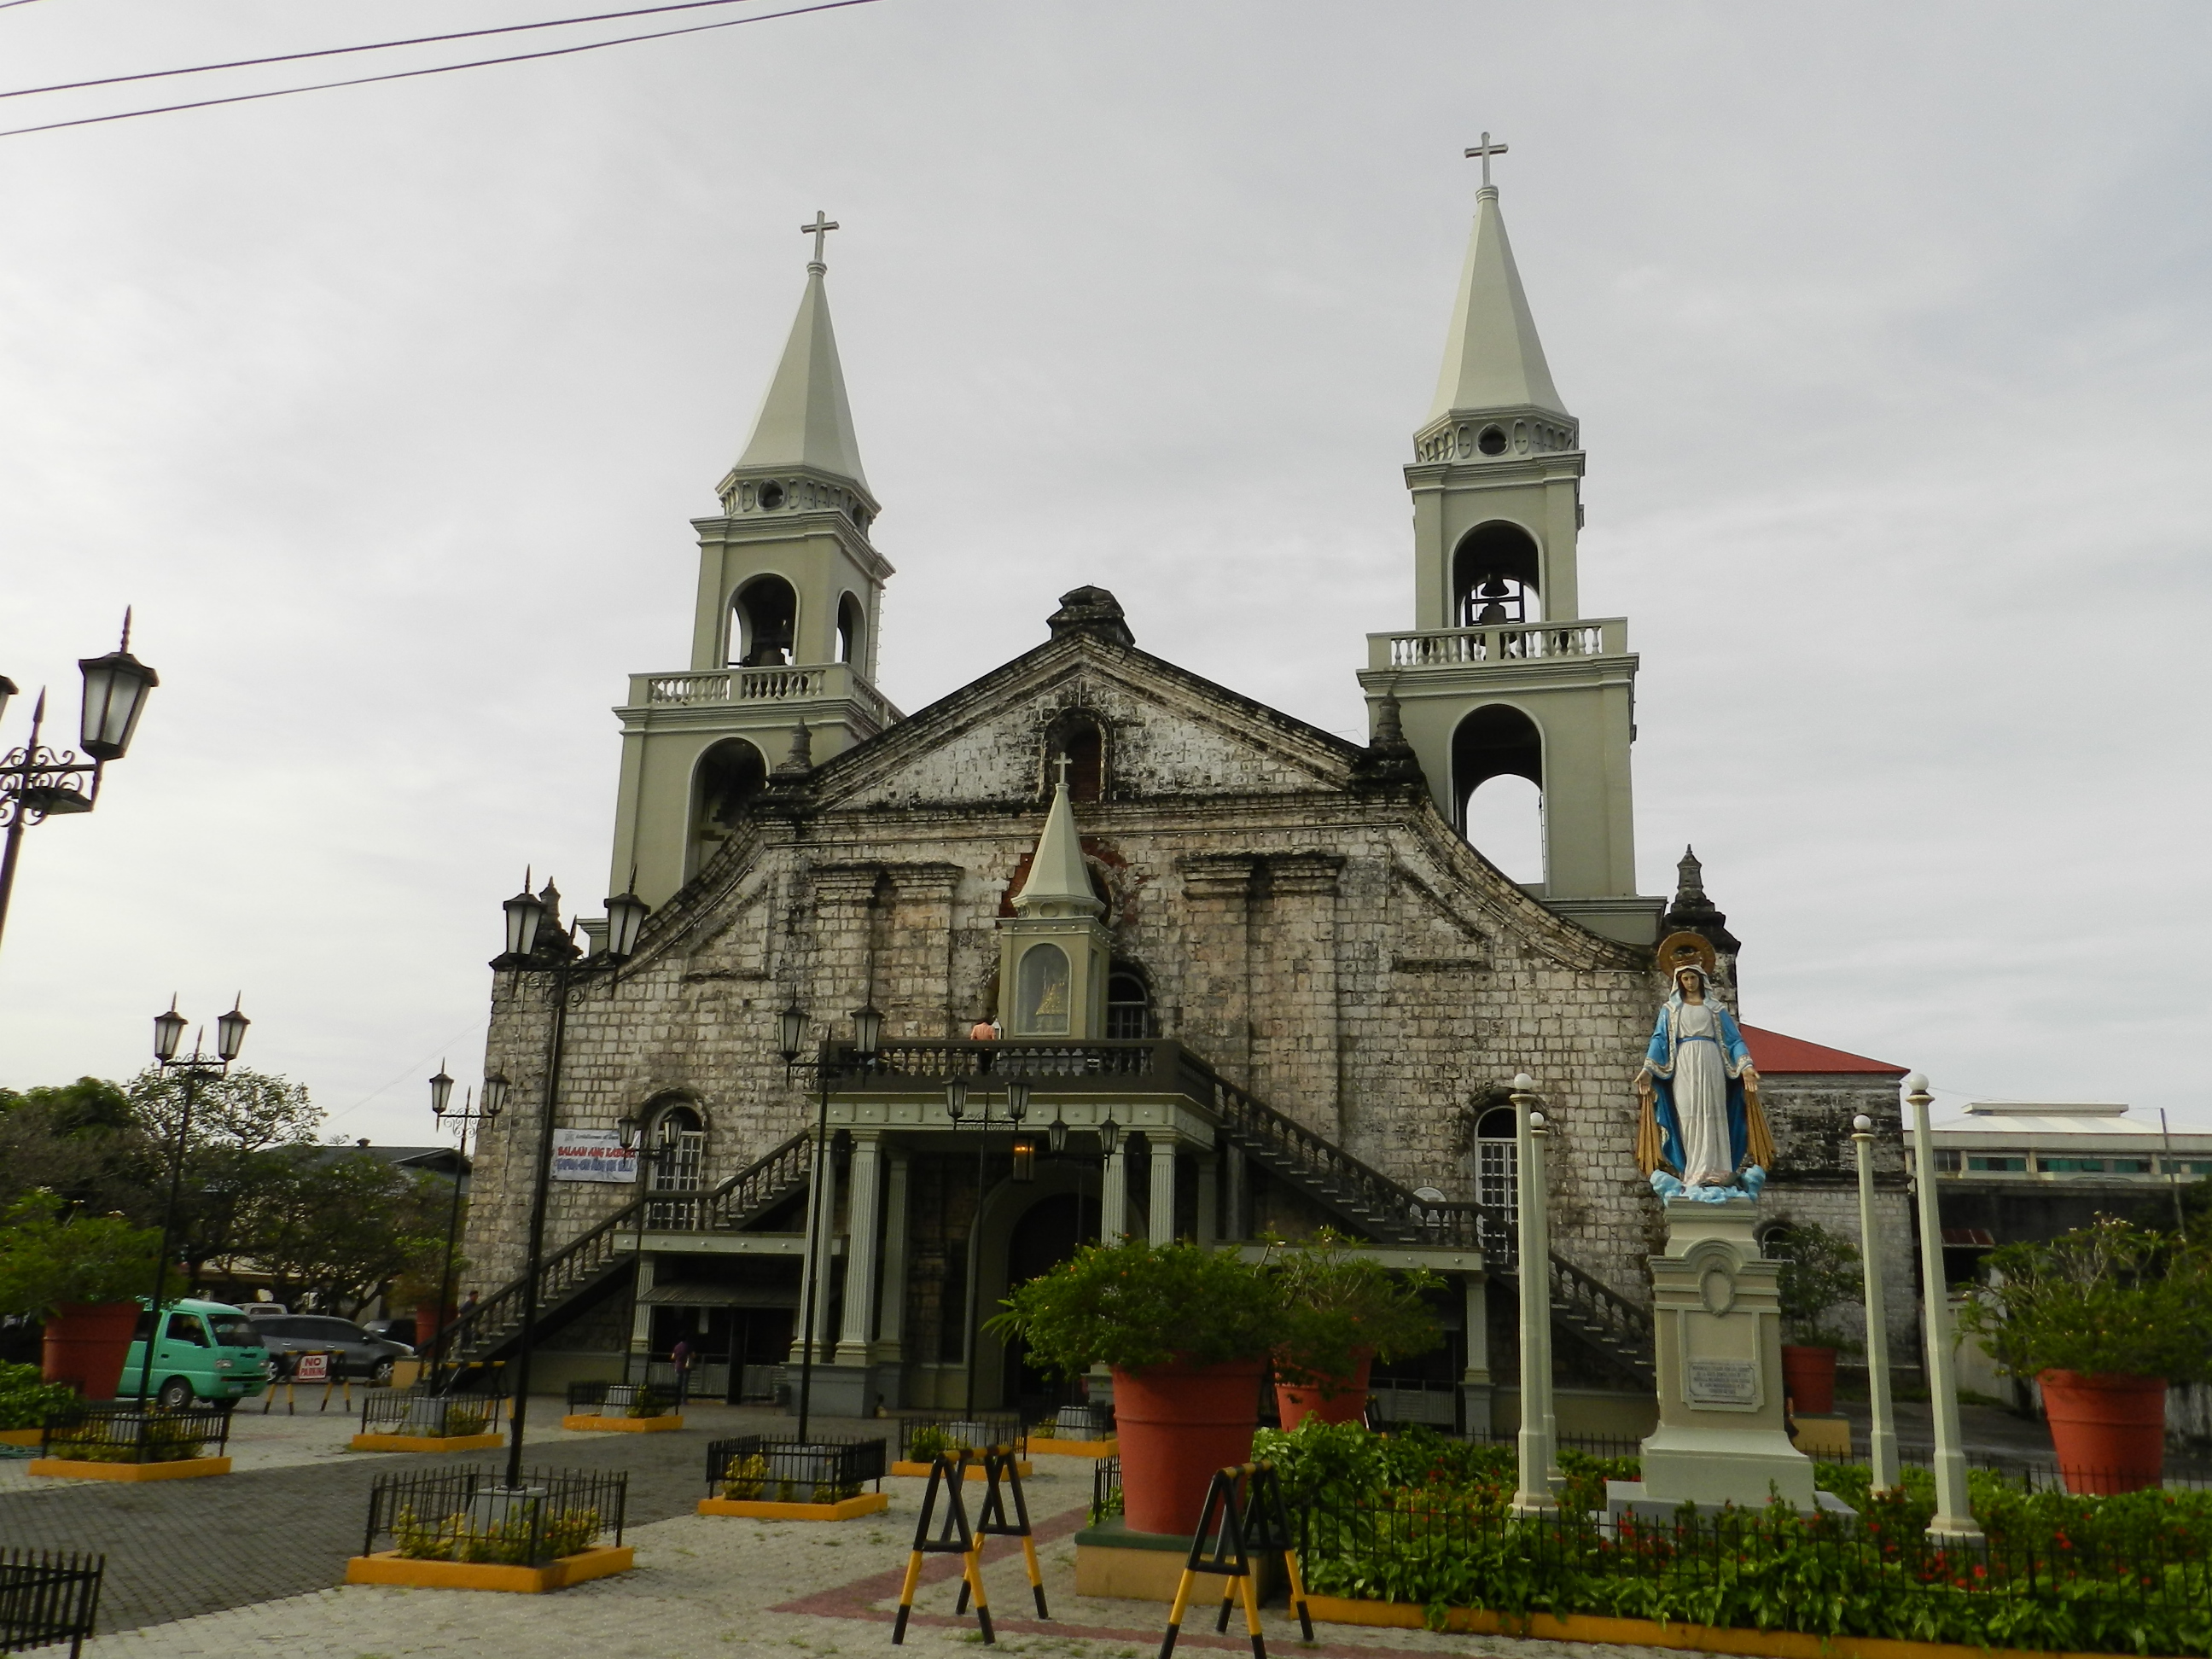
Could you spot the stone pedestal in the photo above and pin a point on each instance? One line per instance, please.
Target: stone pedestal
(1721, 1437)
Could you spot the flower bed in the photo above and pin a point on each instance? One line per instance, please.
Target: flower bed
(127, 1434)
(1417, 1519)
(465, 1515)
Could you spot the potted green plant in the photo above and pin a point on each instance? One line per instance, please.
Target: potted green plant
(2103, 1318)
(1342, 1311)
(1186, 1331)
(80, 1276)
(1820, 1273)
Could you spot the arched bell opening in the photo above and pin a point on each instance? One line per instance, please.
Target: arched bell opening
(729, 774)
(1497, 787)
(850, 622)
(1496, 575)
(764, 624)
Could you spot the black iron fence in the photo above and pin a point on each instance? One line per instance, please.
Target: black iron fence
(471, 1515)
(89, 1433)
(2101, 1581)
(922, 1435)
(626, 1399)
(432, 1416)
(47, 1598)
(1105, 1489)
(763, 1468)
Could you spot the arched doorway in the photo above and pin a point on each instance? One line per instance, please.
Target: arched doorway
(1499, 741)
(1046, 1235)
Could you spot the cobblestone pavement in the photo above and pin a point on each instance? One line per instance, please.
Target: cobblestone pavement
(710, 1586)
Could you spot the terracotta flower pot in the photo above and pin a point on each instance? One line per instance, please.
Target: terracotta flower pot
(1340, 1400)
(86, 1344)
(1177, 1424)
(2109, 1429)
(1808, 1376)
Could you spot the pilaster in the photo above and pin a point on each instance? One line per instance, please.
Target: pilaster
(862, 1241)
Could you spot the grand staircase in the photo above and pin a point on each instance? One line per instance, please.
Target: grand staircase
(1368, 1204)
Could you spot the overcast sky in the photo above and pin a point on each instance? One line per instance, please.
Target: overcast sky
(1889, 327)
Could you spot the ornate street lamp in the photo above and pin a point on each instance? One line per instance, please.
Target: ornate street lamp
(478, 1111)
(651, 1160)
(192, 1071)
(38, 782)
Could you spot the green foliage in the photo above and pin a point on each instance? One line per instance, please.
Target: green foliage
(26, 1401)
(344, 1224)
(242, 1110)
(51, 1256)
(1820, 1272)
(926, 1444)
(79, 1141)
(648, 1401)
(163, 1440)
(2108, 1297)
(1341, 1463)
(1337, 1300)
(506, 1543)
(1136, 1305)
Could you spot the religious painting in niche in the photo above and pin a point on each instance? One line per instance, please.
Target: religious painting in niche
(1042, 1004)
(763, 621)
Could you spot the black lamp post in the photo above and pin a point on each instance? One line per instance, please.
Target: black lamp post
(526, 915)
(471, 1112)
(38, 783)
(956, 1108)
(651, 1160)
(192, 1070)
(867, 1034)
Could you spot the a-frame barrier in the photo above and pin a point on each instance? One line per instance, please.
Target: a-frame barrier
(948, 1473)
(1260, 1527)
(1002, 1475)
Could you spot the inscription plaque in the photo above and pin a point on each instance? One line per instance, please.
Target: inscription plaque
(1723, 1382)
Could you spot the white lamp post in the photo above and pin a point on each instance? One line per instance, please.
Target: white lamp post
(1533, 1493)
(1882, 1441)
(1954, 1520)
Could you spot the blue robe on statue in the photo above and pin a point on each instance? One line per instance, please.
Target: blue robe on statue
(1747, 1122)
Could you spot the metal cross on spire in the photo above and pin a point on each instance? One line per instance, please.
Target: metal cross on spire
(1486, 150)
(823, 225)
(1063, 764)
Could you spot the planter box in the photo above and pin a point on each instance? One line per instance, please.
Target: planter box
(427, 1442)
(975, 1470)
(1109, 1446)
(1641, 1632)
(186, 1468)
(390, 1567)
(1824, 1437)
(621, 1424)
(1146, 1566)
(754, 1509)
(22, 1436)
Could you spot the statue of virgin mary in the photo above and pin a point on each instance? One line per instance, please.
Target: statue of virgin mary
(1698, 1092)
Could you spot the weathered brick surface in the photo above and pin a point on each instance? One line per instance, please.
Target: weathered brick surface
(1344, 955)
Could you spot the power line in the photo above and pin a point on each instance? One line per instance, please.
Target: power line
(441, 69)
(340, 52)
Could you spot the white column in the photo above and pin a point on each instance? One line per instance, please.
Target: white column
(1540, 1140)
(1474, 1381)
(640, 1321)
(1881, 1442)
(1532, 1493)
(891, 1314)
(1954, 1513)
(862, 1240)
(1160, 1219)
(816, 1273)
(1113, 1196)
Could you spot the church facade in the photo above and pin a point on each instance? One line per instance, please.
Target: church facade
(1247, 977)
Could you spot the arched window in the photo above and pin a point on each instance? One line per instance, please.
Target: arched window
(1076, 735)
(849, 642)
(1498, 1164)
(1774, 1242)
(763, 621)
(674, 1165)
(1504, 822)
(1041, 1005)
(729, 773)
(1495, 576)
(1128, 1006)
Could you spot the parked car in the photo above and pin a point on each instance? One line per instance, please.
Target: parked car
(358, 1353)
(206, 1350)
(394, 1330)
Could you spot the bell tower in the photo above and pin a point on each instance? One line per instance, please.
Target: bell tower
(783, 632)
(1501, 674)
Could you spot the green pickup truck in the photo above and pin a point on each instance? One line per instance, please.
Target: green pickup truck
(206, 1350)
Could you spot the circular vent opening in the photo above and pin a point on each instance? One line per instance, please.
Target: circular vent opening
(1492, 440)
(771, 494)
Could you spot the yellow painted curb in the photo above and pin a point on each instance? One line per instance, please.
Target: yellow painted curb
(22, 1437)
(187, 1468)
(621, 1424)
(1645, 1632)
(427, 1442)
(390, 1567)
(1110, 1447)
(852, 1508)
(920, 1470)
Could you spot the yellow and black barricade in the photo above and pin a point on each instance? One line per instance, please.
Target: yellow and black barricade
(1228, 1539)
(1002, 1475)
(948, 1473)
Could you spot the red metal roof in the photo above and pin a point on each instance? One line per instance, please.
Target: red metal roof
(1771, 1052)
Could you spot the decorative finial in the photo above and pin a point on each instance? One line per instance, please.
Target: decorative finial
(126, 646)
(1916, 1084)
(1486, 149)
(823, 225)
(801, 757)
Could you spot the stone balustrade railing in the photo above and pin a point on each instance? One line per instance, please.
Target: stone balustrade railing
(830, 682)
(1500, 642)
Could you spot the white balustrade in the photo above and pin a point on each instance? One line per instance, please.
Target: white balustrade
(1511, 642)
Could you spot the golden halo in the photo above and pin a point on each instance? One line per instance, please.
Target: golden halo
(1685, 949)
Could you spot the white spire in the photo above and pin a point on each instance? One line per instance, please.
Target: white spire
(805, 420)
(1058, 876)
(1492, 358)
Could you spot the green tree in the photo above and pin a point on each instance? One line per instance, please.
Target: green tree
(80, 1141)
(344, 1225)
(243, 1109)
